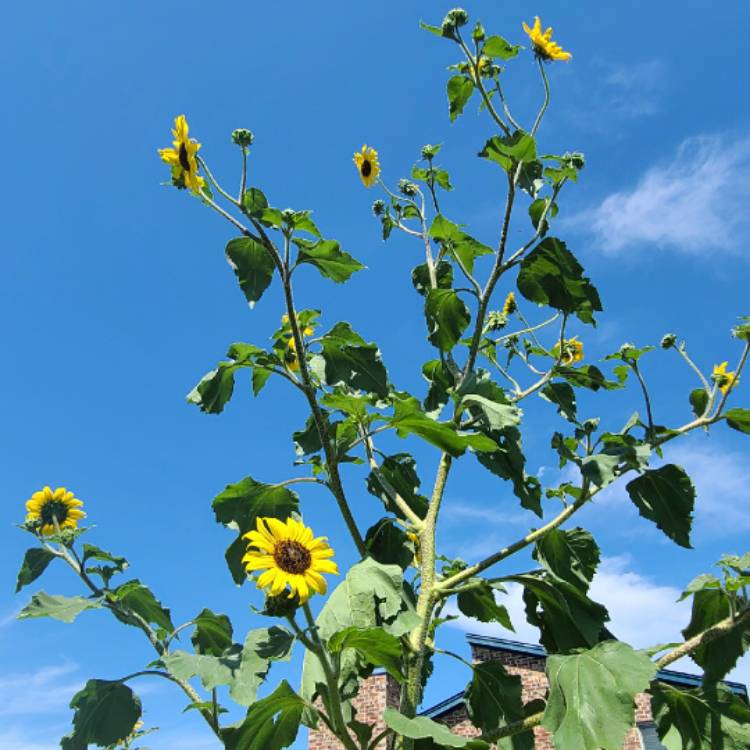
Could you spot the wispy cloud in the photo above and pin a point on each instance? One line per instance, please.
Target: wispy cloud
(633, 90)
(692, 203)
(43, 691)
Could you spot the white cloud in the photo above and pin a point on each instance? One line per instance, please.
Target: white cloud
(44, 691)
(634, 89)
(691, 204)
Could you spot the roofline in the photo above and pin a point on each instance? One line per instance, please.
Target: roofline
(503, 644)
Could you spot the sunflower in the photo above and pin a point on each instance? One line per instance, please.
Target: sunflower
(725, 380)
(572, 351)
(368, 165)
(544, 47)
(182, 158)
(291, 360)
(48, 505)
(510, 306)
(288, 555)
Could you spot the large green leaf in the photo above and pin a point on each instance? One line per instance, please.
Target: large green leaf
(138, 598)
(496, 46)
(262, 647)
(400, 471)
(252, 265)
(550, 275)
(212, 634)
(91, 552)
(409, 419)
(105, 713)
(388, 544)
(571, 555)
(270, 724)
(460, 89)
(738, 419)
(349, 359)
(591, 702)
(212, 670)
(700, 719)
(377, 647)
(63, 608)
(479, 602)
(421, 727)
(719, 656)
(447, 318)
(564, 397)
(497, 414)
(420, 276)
(511, 150)
(666, 496)
(493, 697)
(457, 242)
(328, 257)
(35, 562)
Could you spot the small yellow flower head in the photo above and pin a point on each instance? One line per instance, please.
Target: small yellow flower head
(572, 351)
(291, 360)
(725, 380)
(544, 47)
(510, 306)
(290, 557)
(182, 158)
(414, 539)
(48, 505)
(367, 165)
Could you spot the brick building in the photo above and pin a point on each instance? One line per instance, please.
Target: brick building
(523, 659)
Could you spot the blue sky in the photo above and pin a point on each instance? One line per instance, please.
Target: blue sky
(117, 298)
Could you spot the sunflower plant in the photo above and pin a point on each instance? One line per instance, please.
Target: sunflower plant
(498, 318)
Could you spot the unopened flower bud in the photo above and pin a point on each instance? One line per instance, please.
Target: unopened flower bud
(378, 208)
(478, 33)
(243, 137)
(456, 17)
(287, 215)
(407, 188)
(429, 151)
(495, 321)
(668, 341)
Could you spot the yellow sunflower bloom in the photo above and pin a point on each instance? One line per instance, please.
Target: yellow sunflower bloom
(48, 505)
(572, 351)
(290, 357)
(182, 158)
(367, 165)
(725, 380)
(510, 306)
(544, 47)
(290, 557)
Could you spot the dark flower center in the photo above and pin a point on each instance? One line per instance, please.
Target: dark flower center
(54, 508)
(292, 557)
(184, 161)
(366, 168)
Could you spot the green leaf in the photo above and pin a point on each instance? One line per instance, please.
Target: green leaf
(447, 318)
(441, 381)
(493, 697)
(460, 89)
(233, 556)
(571, 555)
(496, 46)
(352, 361)
(212, 670)
(252, 265)
(138, 598)
(719, 656)
(262, 647)
(270, 724)
(409, 419)
(371, 596)
(698, 401)
(423, 728)
(666, 496)
(388, 544)
(240, 504)
(63, 608)
(511, 150)
(739, 419)
(302, 222)
(587, 376)
(564, 397)
(497, 414)
(550, 275)
(35, 562)
(328, 257)
(536, 209)
(479, 603)
(700, 719)
(420, 277)
(374, 645)
(254, 202)
(400, 471)
(212, 634)
(592, 695)
(457, 242)
(105, 712)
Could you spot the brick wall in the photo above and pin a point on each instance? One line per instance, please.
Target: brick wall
(381, 691)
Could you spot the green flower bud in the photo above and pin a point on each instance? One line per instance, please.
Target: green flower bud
(478, 33)
(407, 188)
(456, 17)
(668, 341)
(495, 321)
(575, 159)
(287, 215)
(243, 137)
(429, 151)
(280, 606)
(378, 208)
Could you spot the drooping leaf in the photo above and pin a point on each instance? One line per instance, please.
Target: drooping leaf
(262, 647)
(421, 727)
(420, 277)
(460, 89)
(511, 150)
(252, 265)
(135, 596)
(498, 414)
(698, 401)
(377, 647)
(91, 552)
(388, 544)
(240, 504)
(212, 634)
(447, 318)
(591, 703)
(550, 275)
(35, 562)
(457, 242)
(666, 496)
(63, 608)
(493, 697)
(328, 257)
(572, 555)
(400, 471)
(479, 602)
(441, 380)
(738, 419)
(212, 670)
(564, 397)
